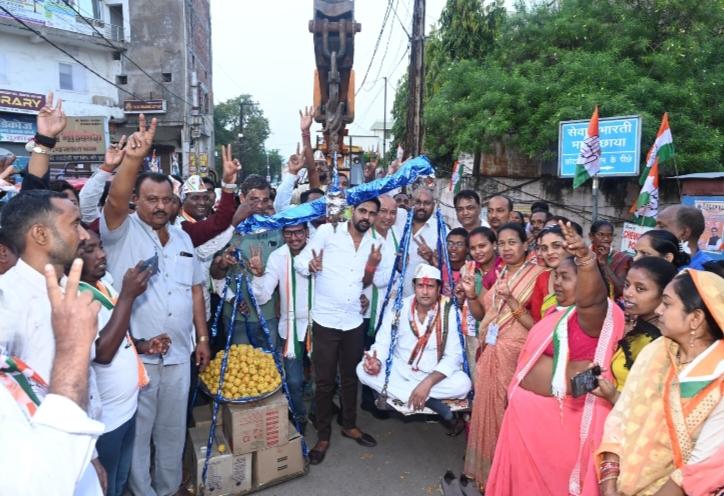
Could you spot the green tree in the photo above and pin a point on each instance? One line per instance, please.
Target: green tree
(275, 163)
(549, 63)
(249, 149)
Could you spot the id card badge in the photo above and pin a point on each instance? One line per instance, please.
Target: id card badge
(492, 336)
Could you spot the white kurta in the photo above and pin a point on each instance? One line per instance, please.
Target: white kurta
(403, 377)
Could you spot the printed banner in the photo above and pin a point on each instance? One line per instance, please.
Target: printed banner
(630, 235)
(713, 209)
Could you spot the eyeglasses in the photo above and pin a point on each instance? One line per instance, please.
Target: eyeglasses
(456, 244)
(301, 233)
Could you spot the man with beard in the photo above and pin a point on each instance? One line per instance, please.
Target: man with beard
(499, 209)
(344, 259)
(424, 235)
(294, 305)
(45, 228)
(173, 303)
(402, 200)
(119, 371)
(427, 360)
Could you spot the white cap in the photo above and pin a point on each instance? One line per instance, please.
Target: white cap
(319, 156)
(193, 184)
(425, 270)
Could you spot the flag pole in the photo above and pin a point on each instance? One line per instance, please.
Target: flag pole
(594, 190)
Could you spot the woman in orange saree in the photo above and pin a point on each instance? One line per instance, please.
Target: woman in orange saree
(552, 456)
(505, 320)
(669, 420)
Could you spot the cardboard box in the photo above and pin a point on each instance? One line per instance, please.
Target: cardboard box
(219, 480)
(280, 461)
(255, 426)
(202, 415)
(241, 473)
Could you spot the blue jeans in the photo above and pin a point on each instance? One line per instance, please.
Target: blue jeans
(114, 452)
(294, 371)
(248, 332)
(440, 408)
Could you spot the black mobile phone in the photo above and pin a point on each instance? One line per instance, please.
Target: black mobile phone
(585, 382)
(151, 264)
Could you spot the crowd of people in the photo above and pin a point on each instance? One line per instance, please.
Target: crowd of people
(572, 368)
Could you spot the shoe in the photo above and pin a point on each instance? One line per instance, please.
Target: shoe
(450, 485)
(454, 427)
(364, 440)
(375, 412)
(317, 456)
(468, 487)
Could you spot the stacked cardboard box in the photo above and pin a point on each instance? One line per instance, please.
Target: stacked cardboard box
(263, 447)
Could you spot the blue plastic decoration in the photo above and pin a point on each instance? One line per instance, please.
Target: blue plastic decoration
(407, 174)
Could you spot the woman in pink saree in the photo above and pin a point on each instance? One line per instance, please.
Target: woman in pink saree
(548, 437)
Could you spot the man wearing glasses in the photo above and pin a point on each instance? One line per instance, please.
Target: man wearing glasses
(294, 302)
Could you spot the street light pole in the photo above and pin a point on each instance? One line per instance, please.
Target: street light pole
(384, 124)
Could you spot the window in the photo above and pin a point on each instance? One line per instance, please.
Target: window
(116, 55)
(166, 77)
(121, 79)
(3, 67)
(71, 77)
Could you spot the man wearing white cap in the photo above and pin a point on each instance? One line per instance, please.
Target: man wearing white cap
(426, 365)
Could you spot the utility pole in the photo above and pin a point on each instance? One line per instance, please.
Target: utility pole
(416, 79)
(384, 125)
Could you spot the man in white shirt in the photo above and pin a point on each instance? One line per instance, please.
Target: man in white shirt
(424, 235)
(344, 259)
(294, 302)
(384, 229)
(173, 304)
(468, 210)
(45, 228)
(427, 361)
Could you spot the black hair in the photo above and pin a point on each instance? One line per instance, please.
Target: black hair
(458, 231)
(715, 267)
(596, 226)
(26, 209)
(483, 231)
(510, 202)
(661, 271)
(548, 215)
(550, 230)
(522, 217)
(685, 289)
(374, 200)
(517, 228)
(466, 194)
(400, 193)
(61, 186)
(6, 242)
(155, 177)
(664, 242)
(254, 181)
(540, 206)
(304, 196)
(692, 218)
(575, 225)
(209, 182)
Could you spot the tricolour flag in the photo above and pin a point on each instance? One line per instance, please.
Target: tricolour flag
(588, 163)
(661, 150)
(647, 205)
(455, 178)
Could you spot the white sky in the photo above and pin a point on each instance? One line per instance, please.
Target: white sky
(265, 49)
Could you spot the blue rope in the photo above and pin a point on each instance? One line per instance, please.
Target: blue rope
(277, 360)
(398, 298)
(443, 255)
(224, 362)
(405, 234)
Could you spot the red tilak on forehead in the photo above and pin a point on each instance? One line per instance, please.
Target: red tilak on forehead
(426, 280)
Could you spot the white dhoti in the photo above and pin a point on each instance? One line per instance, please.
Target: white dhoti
(403, 382)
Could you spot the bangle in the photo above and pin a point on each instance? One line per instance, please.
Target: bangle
(610, 471)
(609, 464)
(612, 477)
(231, 186)
(519, 312)
(582, 262)
(203, 339)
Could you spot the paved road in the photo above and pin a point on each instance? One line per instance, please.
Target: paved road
(410, 459)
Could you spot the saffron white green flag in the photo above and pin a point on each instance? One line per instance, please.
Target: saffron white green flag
(455, 183)
(646, 207)
(661, 150)
(588, 163)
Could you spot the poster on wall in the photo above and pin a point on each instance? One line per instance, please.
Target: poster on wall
(713, 209)
(630, 235)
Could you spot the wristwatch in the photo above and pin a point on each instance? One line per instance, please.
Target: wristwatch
(203, 339)
(231, 186)
(31, 147)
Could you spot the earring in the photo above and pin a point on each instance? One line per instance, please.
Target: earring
(692, 339)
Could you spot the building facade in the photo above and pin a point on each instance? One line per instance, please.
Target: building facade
(30, 66)
(171, 42)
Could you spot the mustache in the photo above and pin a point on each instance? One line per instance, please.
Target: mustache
(156, 212)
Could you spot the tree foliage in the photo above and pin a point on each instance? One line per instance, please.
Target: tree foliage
(547, 63)
(255, 131)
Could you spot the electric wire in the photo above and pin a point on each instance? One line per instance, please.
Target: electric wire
(377, 45)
